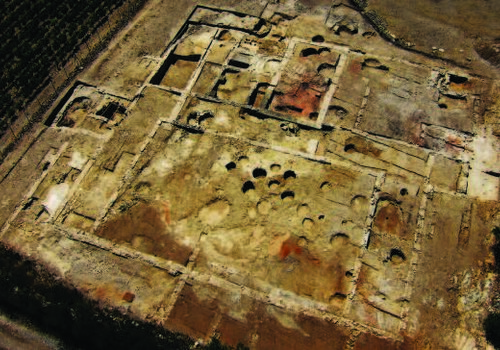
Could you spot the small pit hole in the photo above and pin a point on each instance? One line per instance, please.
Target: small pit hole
(230, 166)
(259, 172)
(318, 39)
(321, 217)
(313, 115)
(46, 166)
(443, 105)
(247, 186)
(289, 174)
(308, 52)
(192, 118)
(224, 35)
(302, 242)
(396, 256)
(307, 223)
(273, 184)
(403, 301)
(205, 116)
(143, 185)
(349, 274)
(339, 111)
(338, 297)
(243, 161)
(349, 147)
(339, 237)
(303, 210)
(456, 79)
(275, 167)
(325, 186)
(403, 192)
(288, 195)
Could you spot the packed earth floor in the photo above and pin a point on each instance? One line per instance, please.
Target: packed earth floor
(283, 180)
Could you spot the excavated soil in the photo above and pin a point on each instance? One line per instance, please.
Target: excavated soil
(282, 175)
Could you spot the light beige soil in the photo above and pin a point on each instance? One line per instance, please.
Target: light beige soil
(282, 177)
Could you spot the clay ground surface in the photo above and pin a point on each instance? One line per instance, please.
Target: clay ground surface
(463, 31)
(274, 174)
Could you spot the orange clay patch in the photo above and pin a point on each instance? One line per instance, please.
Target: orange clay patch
(388, 220)
(288, 247)
(355, 67)
(166, 207)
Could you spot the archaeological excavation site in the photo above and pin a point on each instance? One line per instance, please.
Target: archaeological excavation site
(269, 176)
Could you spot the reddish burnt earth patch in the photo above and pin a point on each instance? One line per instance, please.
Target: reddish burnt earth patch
(372, 342)
(128, 297)
(355, 67)
(413, 128)
(302, 271)
(454, 145)
(389, 220)
(323, 332)
(144, 228)
(455, 141)
(233, 332)
(166, 206)
(106, 293)
(192, 316)
(300, 99)
(289, 246)
(314, 333)
(415, 136)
